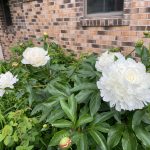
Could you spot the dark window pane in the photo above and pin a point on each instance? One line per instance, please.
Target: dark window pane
(6, 11)
(101, 6)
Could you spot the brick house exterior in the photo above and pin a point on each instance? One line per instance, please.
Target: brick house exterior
(66, 23)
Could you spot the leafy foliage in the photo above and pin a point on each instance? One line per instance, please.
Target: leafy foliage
(60, 100)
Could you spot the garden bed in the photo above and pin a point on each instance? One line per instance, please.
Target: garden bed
(52, 100)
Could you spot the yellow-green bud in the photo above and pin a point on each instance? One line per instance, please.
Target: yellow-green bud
(45, 126)
(146, 33)
(65, 143)
(115, 49)
(21, 44)
(139, 43)
(15, 64)
(45, 34)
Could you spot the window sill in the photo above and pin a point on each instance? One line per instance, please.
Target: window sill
(103, 22)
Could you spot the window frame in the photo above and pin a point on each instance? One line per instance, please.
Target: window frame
(102, 14)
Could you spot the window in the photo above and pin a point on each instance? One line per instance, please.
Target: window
(105, 13)
(6, 12)
(104, 6)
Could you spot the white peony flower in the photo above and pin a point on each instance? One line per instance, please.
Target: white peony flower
(35, 56)
(125, 85)
(7, 80)
(2, 92)
(106, 59)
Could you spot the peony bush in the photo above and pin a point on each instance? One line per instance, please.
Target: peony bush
(50, 99)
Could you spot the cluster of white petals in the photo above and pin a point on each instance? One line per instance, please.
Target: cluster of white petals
(7, 80)
(35, 56)
(106, 59)
(2, 91)
(125, 85)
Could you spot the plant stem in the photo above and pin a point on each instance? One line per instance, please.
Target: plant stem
(36, 86)
(130, 53)
(43, 142)
(7, 110)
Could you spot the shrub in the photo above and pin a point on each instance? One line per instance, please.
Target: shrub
(58, 105)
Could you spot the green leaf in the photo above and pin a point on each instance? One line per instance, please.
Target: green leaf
(8, 140)
(63, 87)
(102, 127)
(129, 141)
(99, 139)
(70, 108)
(15, 137)
(55, 115)
(58, 67)
(83, 95)
(84, 86)
(54, 91)
(103, 117)
(88, 66)
(147, 128)
(58, 136)
(143, 135)
(7, 130)
(137, 118)
(1, 137)
(83, 143)
(31, 95)
(84, 119)
(73, 105)
(95, 104)
(76, 137)
(62, 124)
(43, 106)
(86, 73)
(44, 115)
(141, 147)
(138, 50)
(146, 118)
(24, 147)
(145, 56)
(114, 135)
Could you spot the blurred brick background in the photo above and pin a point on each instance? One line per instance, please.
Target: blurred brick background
(66, 24)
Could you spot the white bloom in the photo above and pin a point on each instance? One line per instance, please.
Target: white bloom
(2, 92)
(126, 85)
(106, 59)
(35, 56)
(7, 80)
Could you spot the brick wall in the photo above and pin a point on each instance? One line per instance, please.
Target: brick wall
(66, 24)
